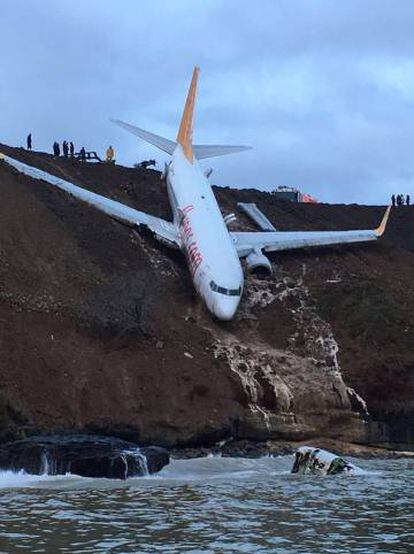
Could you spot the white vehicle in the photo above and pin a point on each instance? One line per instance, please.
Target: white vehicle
(213, 252)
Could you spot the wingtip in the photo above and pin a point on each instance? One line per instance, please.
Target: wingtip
(379, 231)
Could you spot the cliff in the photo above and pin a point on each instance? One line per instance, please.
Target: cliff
(101, 330)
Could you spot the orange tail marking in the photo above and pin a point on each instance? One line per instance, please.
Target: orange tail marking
(185, 132)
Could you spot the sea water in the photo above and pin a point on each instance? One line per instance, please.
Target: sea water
(213, 505)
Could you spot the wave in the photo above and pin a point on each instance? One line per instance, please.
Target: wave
(212, 468)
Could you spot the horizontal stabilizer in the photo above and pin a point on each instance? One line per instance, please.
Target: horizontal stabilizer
(160, 142)
(202, 151)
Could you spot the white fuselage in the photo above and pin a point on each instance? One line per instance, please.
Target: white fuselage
(211, 256)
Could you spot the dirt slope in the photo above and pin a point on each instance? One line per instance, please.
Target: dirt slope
(100, 328)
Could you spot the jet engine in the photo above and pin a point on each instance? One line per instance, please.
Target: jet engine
(259, 264)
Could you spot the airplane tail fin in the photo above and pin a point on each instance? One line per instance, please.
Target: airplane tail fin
(185, 132)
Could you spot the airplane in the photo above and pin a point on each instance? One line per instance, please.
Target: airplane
(198, 229)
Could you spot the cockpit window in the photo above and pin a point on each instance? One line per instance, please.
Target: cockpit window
(222, 290)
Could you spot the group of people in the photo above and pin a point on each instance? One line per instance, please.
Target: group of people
(400, 200)
(67, 149)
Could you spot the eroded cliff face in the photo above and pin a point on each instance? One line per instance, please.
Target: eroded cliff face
(100, 328)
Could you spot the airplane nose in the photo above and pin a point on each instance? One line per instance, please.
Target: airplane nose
(225, 308)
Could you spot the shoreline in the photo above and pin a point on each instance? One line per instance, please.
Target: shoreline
(249, 449)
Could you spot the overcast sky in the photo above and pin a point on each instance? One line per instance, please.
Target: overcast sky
(322, 89)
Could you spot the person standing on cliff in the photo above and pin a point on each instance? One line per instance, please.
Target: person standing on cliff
(110, 153)
(71, 149)
(407, 200)
(56, 149)
(29, 141)
(65, 148)
(393, 199)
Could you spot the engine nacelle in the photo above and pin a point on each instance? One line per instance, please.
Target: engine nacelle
(229, 218)
(259, 264)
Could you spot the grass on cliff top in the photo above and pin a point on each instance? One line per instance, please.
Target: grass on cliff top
(367, 313)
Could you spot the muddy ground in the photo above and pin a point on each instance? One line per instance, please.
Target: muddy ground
(100, 328)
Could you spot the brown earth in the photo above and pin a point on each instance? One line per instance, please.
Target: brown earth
(100, 328)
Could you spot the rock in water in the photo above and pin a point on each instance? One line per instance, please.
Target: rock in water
(156, 458)
(85, 455)
(314, 461)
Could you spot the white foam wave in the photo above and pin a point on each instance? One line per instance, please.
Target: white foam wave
(20, 479)
(212, 468)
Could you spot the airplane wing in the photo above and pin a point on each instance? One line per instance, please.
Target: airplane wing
(163, 230)
(269, 241)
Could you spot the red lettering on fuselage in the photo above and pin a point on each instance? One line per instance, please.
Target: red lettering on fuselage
(191, 249)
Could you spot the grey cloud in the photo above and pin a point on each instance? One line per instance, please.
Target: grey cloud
(323, 90)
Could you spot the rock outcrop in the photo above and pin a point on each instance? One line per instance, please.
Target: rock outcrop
(100, 329)
(84, 455)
